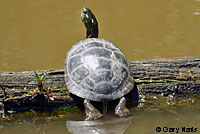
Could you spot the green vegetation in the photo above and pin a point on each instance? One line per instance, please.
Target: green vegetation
(61, 112)
(40, 85)
(138, 81)
(65, 109)
(196, 79)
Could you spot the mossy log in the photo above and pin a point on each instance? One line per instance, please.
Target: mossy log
(178, 76)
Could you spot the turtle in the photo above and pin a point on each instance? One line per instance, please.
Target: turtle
(97, 70)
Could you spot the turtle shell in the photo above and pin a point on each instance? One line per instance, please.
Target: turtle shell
(97, 70)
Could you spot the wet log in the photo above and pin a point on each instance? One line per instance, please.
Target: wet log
(177, 76)
(168, 76)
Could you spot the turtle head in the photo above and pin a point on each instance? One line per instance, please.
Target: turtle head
(90, 23)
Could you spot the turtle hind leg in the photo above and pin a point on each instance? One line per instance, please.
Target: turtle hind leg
(121, 109)
(91, 112)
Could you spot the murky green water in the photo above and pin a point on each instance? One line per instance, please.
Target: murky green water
(36, 34)
(184, 115)
(142, 122)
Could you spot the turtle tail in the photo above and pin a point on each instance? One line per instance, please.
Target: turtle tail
(105, 107)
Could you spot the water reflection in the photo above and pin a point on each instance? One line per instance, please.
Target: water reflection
(107, 125)
(110, 124)
(39, 126)
(143, 121)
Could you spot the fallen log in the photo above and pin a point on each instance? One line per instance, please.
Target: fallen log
(177, 76)
(166, 76)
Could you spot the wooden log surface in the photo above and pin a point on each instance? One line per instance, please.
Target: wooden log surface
(166, 76)
(160, 76)
(151, 75)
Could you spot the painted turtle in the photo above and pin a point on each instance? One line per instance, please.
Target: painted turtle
(96, 69)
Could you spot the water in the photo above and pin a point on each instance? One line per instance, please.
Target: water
(141, 122)
(36, 34)
(155, 113)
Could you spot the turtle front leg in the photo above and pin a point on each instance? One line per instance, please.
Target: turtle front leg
(121, 109)
(91, 112)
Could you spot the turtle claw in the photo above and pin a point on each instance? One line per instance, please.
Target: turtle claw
(91, 112)
(121, 110)
(93, 116)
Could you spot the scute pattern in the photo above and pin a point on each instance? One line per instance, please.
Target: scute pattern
(80, 73)
(89, 83)
(117, 82)
(77, 51)
(103, 63)
(104, 88)
(98, 52)
(93, 44)
(74, 62)
(97, 70)
(121, 59)
(102, 75)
